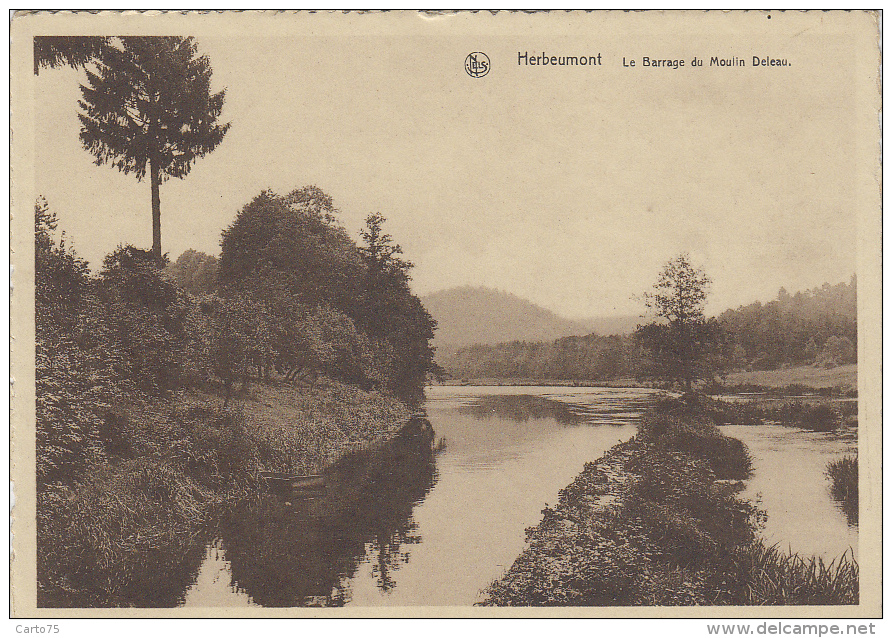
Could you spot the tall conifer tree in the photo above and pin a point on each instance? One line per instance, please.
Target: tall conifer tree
(149, 108)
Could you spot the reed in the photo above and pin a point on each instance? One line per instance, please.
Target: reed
(764, 575)
(843, 475)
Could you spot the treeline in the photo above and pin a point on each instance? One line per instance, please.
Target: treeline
(814, 327)
(592, 358)
(293, 296)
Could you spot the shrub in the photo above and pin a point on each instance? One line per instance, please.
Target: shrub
(685, 426)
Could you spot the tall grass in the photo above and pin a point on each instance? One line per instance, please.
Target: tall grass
(843, 475)
(130, 531)
(127, 536)
(763, 575)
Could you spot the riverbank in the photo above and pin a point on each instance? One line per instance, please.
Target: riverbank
(657, 521)
(563, 383)
(838, 381)
(843, 378)
(179, 464)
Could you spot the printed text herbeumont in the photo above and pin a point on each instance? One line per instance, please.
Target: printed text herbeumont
(557, 60)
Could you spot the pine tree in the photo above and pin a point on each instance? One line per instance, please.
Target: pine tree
(148, 108)
(53, 51)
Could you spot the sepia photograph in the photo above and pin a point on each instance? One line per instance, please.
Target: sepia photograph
(446, 314)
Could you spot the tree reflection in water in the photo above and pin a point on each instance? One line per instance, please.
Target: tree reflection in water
(305, 553)
(521, 408)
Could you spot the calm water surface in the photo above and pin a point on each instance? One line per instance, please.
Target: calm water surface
(435, 520)
(789, 484)
(440, 512)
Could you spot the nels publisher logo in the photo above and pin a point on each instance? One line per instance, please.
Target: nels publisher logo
(477, 64)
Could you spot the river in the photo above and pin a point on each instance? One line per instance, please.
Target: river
(440, 512)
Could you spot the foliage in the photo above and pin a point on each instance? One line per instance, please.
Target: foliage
(680, 342)
(149, 107)
(290, 245)
(820, 416)
(760, 575)
(696, 434)
(195, 272)
(76, 51)
(152, 322)
(795, 329)
(75, 377)
(837, 351)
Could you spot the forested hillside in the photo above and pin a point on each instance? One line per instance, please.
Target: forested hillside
(816, 327)
(813, 326)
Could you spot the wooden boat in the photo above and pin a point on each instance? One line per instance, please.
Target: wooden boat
(294, 485)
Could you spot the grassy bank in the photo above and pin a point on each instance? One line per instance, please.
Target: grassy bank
(179, 463)
(656, 522)
(844, 377)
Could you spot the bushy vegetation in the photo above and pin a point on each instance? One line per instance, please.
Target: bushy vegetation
(309, 281)
(139, 441)
(589, 358)
(655, 522)
(843, 475)
(817, 415)
(684, 426)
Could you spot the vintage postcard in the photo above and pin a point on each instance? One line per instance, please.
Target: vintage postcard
(480, 314)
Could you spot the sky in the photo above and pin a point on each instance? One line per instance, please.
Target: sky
(567, 186)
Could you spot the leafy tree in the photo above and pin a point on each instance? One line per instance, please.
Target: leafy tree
(290, 244)
(792, 330)
(390, 311)
(195, 272)
(148, 108)
(52, 51)
(339, 309)
(680, 343)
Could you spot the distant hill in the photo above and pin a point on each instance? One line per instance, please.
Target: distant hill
(805, 338)
(469, 315)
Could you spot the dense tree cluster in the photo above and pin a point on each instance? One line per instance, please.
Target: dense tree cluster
(295, 296)
(814, 326)
(589, 358)
(331, 306)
